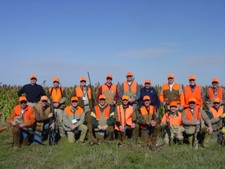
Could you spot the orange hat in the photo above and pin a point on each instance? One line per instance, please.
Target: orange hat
(82, 79)
(44, 98)
(173, 104)
(216, 100)
(146, 98)
(170, 75)
(147, 81)
(216, 80)
(192, 99)
(125, 97)
(102, 97)
(22, 98)
(55, 79)
(129, 74)
(33, 76)
(74, 98)
(192, 77)
(109, 76)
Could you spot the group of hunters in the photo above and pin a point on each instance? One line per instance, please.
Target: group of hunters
(128, 113)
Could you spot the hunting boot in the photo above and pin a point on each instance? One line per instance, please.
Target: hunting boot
(16, 137)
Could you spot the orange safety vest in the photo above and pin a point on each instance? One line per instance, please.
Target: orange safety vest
(28, 116)
(216, 113)
(68, 111)
(79, 92)
(219, 93)
(56, 93)
(174, 95)
(105, 87)
(132, 88)
(98, 112)
(124, 117)
(197, 114)
(196, 94)
(145, 112)
(174, 121)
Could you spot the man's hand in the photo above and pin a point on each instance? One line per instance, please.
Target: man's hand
(105, 127)
(100, 127)
(167, 120)
(210, 130)
(13, 123)
(21, 125)
(50, 115)
(153, 123)
(131, 100)
(197, 122)
(52, 126)
(121, 129)
(72, 127)
(55, 105)
(133, 125)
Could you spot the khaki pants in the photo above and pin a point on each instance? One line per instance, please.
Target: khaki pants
(174, 132)
(107, 134)
(71, 135)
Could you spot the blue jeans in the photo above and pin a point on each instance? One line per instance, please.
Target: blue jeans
(39, 136)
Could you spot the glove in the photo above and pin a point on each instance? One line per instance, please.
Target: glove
(223, 130)
(223, 115)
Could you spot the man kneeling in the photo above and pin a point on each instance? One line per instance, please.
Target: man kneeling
(73, 119)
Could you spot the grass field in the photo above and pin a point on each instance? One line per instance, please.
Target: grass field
(66, 155)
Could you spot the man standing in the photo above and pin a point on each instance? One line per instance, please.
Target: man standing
(125, 116)
(172, 91)
(131, 89)
(83, 93)
(57, 96)
(215, 91)
(195, 91)
(172, 123)
(103, 119)
(147, 90)
(110, 91)
(22, 119)
(73, 120)
(194, 120)
(33, 91)
(43, 114)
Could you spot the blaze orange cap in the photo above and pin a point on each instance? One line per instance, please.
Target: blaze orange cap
(170, 75)
(44, 98)
(216, 80)
(146, 98)
(129, 74)
(216, 100)
(102, 97)
(33, 76)
(74, 98)
(173, 104)
(22, 98)
(125, 97)
(109, 76)
(55, 79)
(192, 77)
(82, 79)
(192, 99)
(147, 81)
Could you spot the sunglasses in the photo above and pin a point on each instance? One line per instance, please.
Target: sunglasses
(74, 101)
(44, 101)
(191, 80)
(216, 103)
(33, 79)
(109, 78)
(191, 102)
(23, 102)
(83, 81)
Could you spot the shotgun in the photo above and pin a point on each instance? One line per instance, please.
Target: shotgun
(92, 93)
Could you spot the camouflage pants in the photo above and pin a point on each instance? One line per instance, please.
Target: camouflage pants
(174, 132)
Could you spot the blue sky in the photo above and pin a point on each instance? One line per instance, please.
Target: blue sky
(151, 38)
